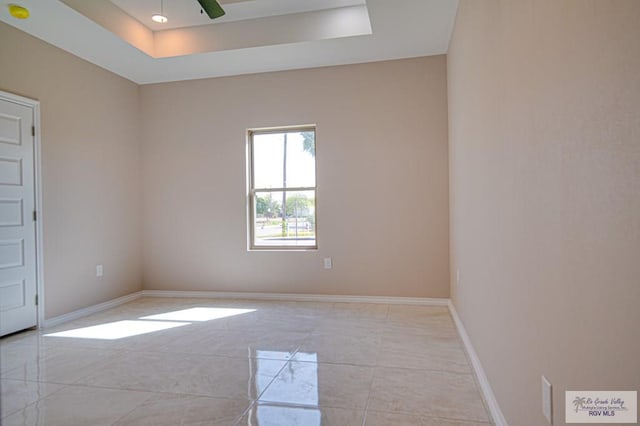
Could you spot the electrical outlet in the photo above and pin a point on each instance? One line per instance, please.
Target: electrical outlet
(99, 271)
(328, 264)
(457, 276)
(547, 400)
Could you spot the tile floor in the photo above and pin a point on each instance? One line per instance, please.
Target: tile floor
(172, 362)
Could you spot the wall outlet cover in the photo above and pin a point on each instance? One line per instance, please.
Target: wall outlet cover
(328, 264)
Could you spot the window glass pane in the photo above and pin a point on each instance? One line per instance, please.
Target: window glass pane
(267, 224)
(268, 160)
(301, 162)
(285, 218)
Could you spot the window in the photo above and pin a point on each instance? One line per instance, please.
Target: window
(282, 188)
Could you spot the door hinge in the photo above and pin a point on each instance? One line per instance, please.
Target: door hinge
(36, 300)
(35, 216)
(33, 130)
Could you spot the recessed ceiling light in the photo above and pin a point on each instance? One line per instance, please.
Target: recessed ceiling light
(160, 19)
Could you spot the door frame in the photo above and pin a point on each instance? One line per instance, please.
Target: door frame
(37, 180)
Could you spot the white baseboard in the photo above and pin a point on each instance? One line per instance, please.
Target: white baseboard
(293, 297)
(51, 322)
(483, 381)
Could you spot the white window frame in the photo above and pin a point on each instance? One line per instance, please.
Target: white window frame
(251, 192)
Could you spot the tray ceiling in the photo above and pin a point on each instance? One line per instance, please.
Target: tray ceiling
(255, 35)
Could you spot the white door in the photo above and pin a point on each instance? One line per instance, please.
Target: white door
(18, 308)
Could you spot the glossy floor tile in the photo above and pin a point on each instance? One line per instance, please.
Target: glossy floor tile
(78, 405)
(278, 415)
(59, 365)
(405, 350)
(185, 374)
(386, 419)
(18, 394)
(171, 410)
(426, 393)
(163, 361)
(340, 348)
(316, 384)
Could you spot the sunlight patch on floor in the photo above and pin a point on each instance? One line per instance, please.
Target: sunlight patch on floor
(198, 314)
(117, 330)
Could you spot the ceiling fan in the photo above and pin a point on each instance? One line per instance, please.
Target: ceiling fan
(212, 7)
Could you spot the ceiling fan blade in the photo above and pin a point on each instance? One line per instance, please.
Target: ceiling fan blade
(212, 7)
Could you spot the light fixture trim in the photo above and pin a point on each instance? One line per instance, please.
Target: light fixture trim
(160, 19)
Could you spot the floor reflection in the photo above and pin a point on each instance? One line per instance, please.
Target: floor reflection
(297, 382)
(292, 382)
(273, 415)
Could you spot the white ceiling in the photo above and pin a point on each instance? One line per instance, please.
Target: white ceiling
(254, 36)
(186, 13)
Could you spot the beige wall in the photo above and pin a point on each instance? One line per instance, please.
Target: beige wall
(382, 180)
(544, 109)
(90, 165)
(382, 177)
